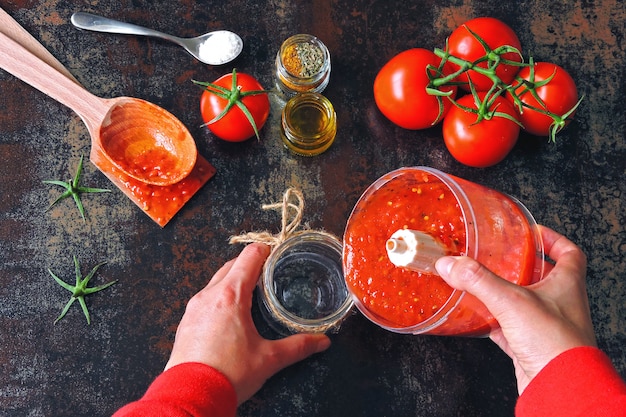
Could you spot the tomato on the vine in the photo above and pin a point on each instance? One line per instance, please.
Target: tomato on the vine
(495, 33)
(225, 102)
(400, 90)
(558, 95)
(476, 142)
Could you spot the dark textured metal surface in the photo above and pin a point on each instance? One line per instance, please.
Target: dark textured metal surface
(575, 186)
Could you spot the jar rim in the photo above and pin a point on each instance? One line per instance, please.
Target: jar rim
(287, 319)
(455, 296)
(471, 232)
(300, 141)
(310, 99)
(303, 38)
(291, 84)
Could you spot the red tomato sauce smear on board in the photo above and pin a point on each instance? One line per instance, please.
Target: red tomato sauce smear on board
(396, 295)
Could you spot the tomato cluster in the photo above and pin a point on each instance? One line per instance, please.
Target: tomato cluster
(482, 90)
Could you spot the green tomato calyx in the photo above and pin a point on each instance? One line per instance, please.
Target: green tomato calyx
(234, 96)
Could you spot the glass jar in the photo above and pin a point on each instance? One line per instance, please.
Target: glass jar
(308, 124)
(302, 65)
(461, 218)
(302, 289)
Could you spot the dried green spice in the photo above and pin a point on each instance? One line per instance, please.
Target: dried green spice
(303, 59)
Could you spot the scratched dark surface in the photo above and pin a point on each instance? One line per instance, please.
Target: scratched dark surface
(576, 186)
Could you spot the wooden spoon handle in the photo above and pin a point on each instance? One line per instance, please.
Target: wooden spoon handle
(23, 64)
(15, 31)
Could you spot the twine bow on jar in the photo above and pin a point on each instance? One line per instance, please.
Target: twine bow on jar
(282, 314)
(289, 209)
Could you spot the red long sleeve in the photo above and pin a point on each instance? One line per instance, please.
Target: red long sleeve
(186, 390)
(579, 382)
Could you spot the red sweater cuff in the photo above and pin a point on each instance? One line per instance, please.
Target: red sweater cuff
(189, 389)
(579, 382)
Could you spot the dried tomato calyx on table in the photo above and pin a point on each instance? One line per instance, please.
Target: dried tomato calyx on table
(80, 290)
(74, 189)
(234, 96)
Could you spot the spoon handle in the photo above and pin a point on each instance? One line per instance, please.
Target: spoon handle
(96, 23)
(19, 61)
(15, 31)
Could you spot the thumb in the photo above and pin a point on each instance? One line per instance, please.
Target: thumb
(466, 274)
(297, 347)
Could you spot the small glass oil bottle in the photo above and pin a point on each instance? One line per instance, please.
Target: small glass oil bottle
(308, 124)
(302, 65)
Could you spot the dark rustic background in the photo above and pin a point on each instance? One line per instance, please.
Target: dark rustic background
(575, 186)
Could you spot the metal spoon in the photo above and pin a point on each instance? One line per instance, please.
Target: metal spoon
(213, 48)
(141, 139)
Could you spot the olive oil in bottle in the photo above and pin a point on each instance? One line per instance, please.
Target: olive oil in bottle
(308, 124)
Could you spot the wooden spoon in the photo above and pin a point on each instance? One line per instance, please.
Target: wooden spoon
(139, 138)
(15, 31)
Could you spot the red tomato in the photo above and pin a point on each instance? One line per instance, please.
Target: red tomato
(558, 96)
(481, 144)
(495, 33)
(234, 126)
(400, 90)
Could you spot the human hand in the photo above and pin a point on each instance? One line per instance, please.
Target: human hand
(217, 329)
(537, 322)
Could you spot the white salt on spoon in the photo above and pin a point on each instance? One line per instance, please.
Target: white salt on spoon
(213, 48)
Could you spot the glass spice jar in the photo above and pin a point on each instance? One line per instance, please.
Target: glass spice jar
(308, 124)
(302, 289)
(302, 65)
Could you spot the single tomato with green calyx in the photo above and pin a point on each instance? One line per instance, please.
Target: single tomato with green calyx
(406, 90)
(546, 98)
(481, 131)
(488, 43)
(234, 107)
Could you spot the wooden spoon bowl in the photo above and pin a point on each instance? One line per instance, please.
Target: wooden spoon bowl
(138, 142)
(140, 139)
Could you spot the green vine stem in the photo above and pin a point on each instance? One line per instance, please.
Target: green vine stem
(530, 86)
(494, 58)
